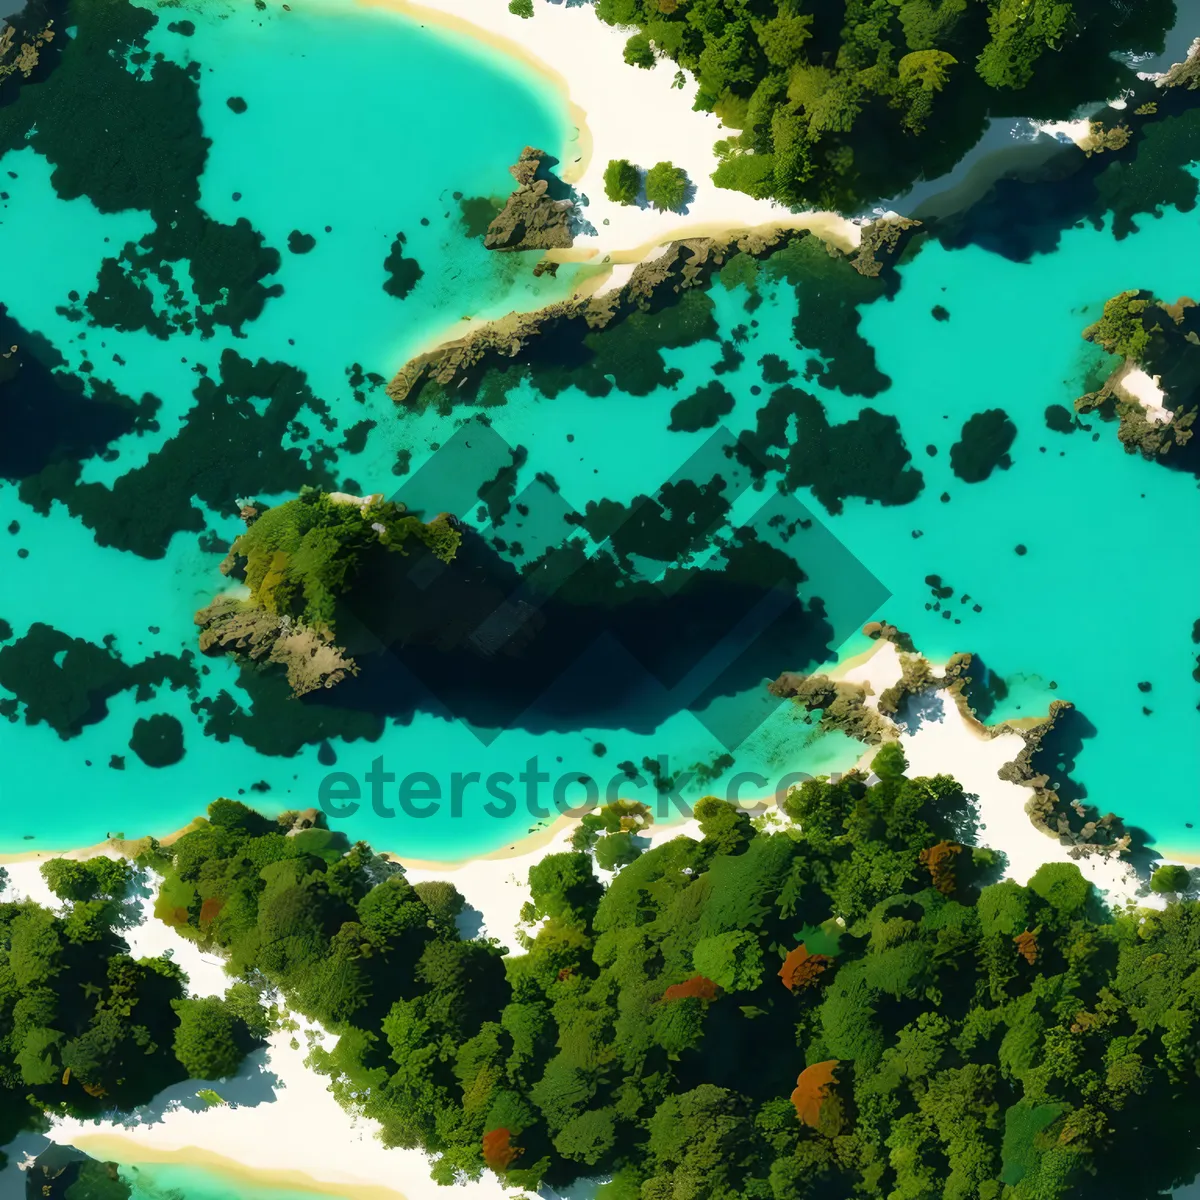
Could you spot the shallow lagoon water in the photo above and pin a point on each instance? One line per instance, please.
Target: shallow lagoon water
(170, 1181)
(1093, 607)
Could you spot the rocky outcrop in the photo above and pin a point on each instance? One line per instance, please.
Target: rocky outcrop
(1136, 428)
(1076, 826)
(531, 219)
(1154, 339)
(1185, 74)
(881, 631)
(683, 264)
(21, 58)
(233, 626)
(880, 238)
(843, 706)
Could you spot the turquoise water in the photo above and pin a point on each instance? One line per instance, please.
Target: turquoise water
(168, 1181)
(363, 122)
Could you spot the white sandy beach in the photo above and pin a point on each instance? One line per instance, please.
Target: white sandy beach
(946, 743)
(1136, 384)
(286, 1129)
(610, 103)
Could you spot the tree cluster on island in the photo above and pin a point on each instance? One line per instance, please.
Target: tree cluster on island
(666, 185)
(85, 1027)
(1161, 339)
(851, 1003)
(835, 104)
(298, 560)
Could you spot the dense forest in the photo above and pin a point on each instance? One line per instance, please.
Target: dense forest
(84, 1027)
(851, 1002)
(841, 102)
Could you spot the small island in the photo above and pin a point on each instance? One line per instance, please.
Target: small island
(1155, 391)
(298, 560)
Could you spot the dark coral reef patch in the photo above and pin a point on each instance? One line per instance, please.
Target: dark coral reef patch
(231, 445)
(67, 682)
(983, 446)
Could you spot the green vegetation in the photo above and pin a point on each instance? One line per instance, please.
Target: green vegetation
(847, 1005)
(835, 104)
(303, 554)
(639, 52)
(521, 8)
(1122, 329)
(84, 1027)
(92, 879)
(666, 186)
(1172, 879)
(1161, 339)
(622, 181)
(299, 559)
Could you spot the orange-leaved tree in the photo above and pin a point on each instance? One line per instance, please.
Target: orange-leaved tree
(801, 969)
(498, 1150)
(812, 1090)
(698, 986)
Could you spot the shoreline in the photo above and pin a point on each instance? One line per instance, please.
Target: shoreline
(296, 1135)
(131, 1154)
(604, 98)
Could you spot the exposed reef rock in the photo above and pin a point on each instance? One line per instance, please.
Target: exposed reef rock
(1156, 340)
(232, 626)
(815, 268)
(843, 705)
(22, 58)
(881, 631)
(880, 237)
(682, 265)
(531, 219)
(1185, 74)
(1073, 823)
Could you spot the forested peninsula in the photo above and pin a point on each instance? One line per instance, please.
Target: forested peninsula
(845, 999)
(840, 104)
(85, 1027)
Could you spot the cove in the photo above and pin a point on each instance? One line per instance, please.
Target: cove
(120, 554)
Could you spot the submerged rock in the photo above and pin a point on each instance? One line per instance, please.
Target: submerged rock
(60, 1172)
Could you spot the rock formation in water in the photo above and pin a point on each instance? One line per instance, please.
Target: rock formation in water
(683, 264)
(531, 219)
(844, 707)
(1156, 340)
(22, 57)
(298, 560)
(881, 237)
(64, 1173)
